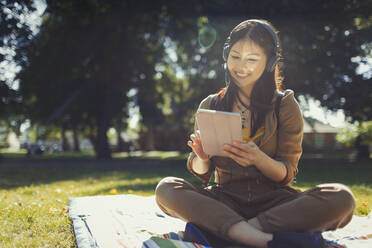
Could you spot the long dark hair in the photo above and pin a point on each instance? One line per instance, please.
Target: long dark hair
(264, 88)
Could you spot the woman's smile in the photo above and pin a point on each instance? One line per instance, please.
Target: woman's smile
(242, 75)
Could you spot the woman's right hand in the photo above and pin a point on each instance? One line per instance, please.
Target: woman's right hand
(196, 146)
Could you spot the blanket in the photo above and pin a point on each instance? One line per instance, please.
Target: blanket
(132, 221)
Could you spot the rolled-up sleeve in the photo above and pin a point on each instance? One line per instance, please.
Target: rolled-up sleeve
(290, 135)
(205, 104)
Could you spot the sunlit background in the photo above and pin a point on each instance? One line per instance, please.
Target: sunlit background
(121, 85)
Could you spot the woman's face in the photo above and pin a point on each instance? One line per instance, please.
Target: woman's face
(246, 62)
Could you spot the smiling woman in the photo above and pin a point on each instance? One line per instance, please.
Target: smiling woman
(252, 201)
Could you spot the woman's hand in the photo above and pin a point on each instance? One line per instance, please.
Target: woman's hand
(245, 154)
(196, 146)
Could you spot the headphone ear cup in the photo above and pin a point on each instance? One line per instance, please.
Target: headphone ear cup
(273, 61)
(225, 51)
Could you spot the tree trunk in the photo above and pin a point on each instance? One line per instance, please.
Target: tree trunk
(65, 144)
(101, 145)
(362, 150)
(76, 140)
(120, 142)
(150, 139)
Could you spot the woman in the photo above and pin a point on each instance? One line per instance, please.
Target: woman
(252, 202)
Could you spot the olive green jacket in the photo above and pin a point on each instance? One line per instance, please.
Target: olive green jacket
(283, 145)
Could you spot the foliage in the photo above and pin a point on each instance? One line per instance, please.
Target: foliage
(14, 34)
(89, 54)
(320, 54)
(349, 134)
(323, 43)
(89, 71)
(366, 132)
(14, 31)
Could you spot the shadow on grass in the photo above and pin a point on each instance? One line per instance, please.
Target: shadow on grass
(316, 171)
(18, 173)
(6, 156)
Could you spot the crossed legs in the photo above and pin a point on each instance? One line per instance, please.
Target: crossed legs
(325, 207)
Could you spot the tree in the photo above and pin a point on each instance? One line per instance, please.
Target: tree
(358, 135)
(320, 54)
(324, 42)
(99, 50)
(94, 53)
(15, 34)
(14, 31)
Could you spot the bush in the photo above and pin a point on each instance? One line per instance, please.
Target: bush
(355, 133)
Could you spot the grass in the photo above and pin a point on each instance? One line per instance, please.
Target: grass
(34, 192)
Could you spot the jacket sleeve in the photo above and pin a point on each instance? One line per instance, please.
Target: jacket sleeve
(205, 104)
(290, 135)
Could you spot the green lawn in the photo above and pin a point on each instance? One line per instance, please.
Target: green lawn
(34, 193)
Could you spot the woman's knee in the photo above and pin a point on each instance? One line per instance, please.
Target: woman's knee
(170, 192)
(165, 186)
(342, 198)
(169, 187)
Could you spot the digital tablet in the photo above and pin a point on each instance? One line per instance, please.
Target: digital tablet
(218, 128)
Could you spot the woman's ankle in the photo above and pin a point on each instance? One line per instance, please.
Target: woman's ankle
(243, 232)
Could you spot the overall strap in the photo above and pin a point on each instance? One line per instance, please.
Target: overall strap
(277, 107)
(277, 111)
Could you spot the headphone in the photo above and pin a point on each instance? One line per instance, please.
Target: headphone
(272, 62)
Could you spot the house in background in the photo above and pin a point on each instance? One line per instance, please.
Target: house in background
(320, 138)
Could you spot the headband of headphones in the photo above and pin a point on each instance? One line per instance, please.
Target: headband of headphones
(273, 61)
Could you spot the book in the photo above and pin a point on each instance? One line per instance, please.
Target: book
(218, 128)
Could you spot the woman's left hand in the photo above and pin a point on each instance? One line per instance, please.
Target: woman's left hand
(245, 154)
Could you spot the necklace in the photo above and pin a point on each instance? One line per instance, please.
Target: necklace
(244, 115)
(243, 111)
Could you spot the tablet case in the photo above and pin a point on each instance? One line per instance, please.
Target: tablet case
(218, 128)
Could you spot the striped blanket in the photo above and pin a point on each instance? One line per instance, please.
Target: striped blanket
(129, 221)
(165, 242)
